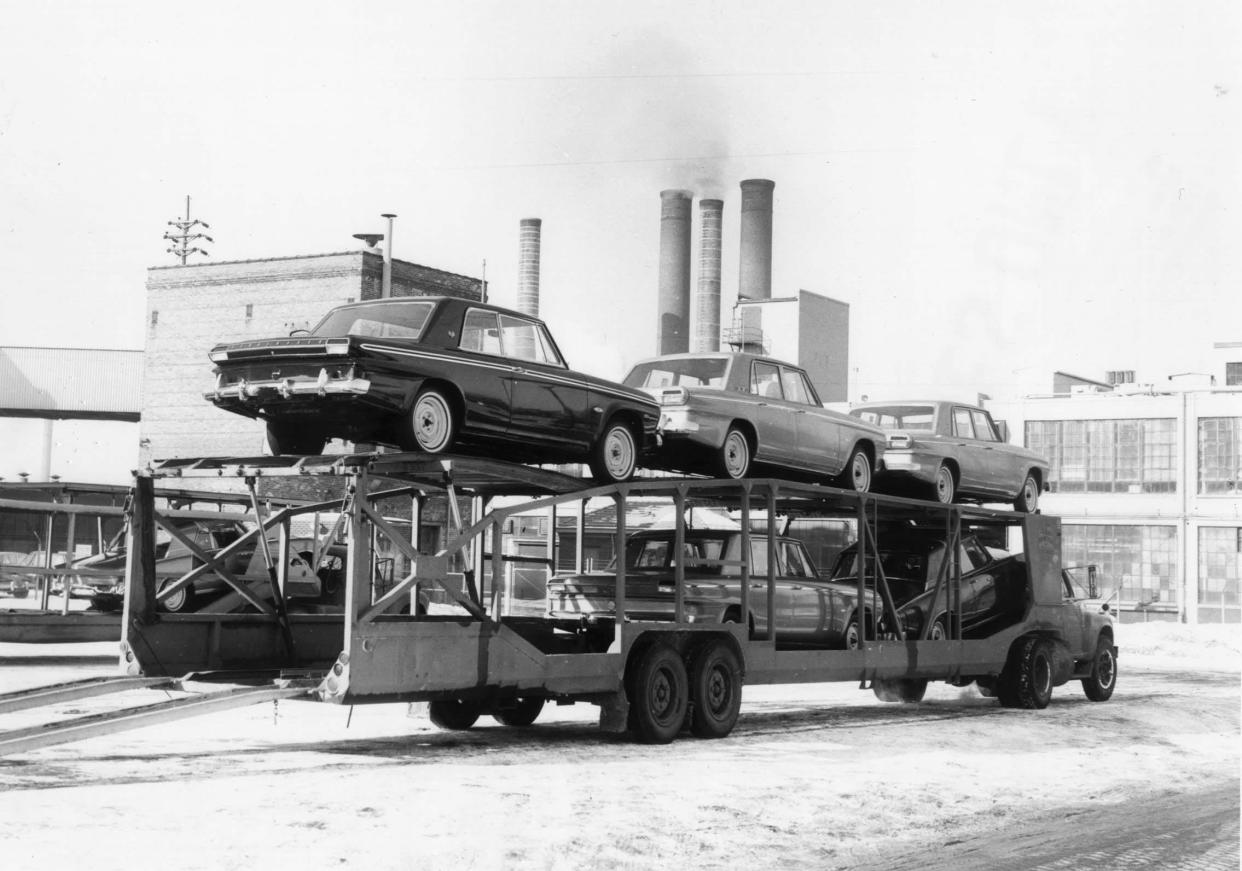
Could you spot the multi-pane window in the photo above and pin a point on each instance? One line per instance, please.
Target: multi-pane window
(1233, 374)
(1220, 574)
(1107, 456)
(1139, 561)
(1220, 455)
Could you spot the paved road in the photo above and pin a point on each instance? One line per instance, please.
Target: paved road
(1189, 833)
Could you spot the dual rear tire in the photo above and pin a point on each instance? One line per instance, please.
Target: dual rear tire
(664, 694)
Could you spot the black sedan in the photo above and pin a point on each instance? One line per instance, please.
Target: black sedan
(992, 591)
(435, 374)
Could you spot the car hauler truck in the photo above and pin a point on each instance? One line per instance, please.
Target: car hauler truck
(444, 629)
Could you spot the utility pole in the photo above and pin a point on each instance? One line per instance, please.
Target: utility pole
(183, 237)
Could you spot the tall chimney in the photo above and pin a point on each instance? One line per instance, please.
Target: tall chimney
(755, 272)
(529, 237)
(707, 298)
(673, 327)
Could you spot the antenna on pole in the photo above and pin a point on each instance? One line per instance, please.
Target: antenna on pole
(181, 239)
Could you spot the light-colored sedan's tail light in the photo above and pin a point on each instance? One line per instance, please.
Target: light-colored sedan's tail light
(674, 396)
(899, 440)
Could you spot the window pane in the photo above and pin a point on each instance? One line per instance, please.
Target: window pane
(765, 380)
(961, 423)
(1220, 455)
(983, 427)
(1141, 562)
(795, 386)
(1220, 574)
(480, 332)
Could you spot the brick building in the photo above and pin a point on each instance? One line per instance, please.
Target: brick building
(191, 308)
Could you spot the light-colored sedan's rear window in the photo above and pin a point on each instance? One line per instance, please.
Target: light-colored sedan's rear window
(912, 417)
(693, 372)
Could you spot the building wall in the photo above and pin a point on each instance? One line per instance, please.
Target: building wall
(1149, 486)
(191, 308)
(810, 330)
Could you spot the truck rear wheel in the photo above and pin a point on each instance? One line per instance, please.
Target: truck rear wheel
(1026, 681)
(659, 695)
(908, 690)
(518, 713)
(715, 690)
(1099, 685)
(453, 714)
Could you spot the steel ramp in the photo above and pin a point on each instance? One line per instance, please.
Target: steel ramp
(36, 697)
(124, 719)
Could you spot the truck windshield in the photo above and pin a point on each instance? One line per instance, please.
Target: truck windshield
(688, 372)
(911, 417)
(393, 320)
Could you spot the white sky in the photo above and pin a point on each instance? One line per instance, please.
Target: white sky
(998, 190)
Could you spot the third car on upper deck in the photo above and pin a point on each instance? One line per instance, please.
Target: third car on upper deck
(953, 452)
(726, 413)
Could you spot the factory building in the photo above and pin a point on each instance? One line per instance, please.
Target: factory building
(1147, 480)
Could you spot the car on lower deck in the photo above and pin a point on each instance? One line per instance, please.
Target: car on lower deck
(727, 414)
(810, 611)
(435, 374)
(991, 592)
(953, 452)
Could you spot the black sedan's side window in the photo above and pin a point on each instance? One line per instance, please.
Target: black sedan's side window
(480, 331)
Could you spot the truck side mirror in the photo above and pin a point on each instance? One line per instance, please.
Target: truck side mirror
(1092, 591)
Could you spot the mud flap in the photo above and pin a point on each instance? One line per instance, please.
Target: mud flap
(614, 713)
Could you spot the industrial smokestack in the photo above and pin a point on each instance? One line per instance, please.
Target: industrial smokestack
(672, 329)
(707, 298)
(755, 272)
(529, 237)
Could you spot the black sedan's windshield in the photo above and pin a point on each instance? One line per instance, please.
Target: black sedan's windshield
(402, 319)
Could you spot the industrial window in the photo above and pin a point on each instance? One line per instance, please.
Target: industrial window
(1107, 456)
(1233, 374)
(1220, 455)
(1137, 563)
(1220, 574)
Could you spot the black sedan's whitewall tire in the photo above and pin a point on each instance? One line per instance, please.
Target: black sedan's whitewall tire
(733, 458)
(615, 456)
(431, 422)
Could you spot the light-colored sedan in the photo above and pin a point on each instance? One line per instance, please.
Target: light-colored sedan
(725, 413)
(954, 451)
(810, 611)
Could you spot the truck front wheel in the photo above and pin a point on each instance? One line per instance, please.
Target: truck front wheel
(1099, 685)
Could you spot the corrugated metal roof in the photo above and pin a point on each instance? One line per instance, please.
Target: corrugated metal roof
(70, 382)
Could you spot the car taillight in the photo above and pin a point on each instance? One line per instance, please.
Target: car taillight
(900, 440)
(674, 396)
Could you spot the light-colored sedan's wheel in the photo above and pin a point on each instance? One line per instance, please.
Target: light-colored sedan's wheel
(733, 458)
(431, 422)
(1028, 496)
(453, 714)
(659, 691)
(853, 636)
(614, 457)
(939, 630)
(715, 690)
(519, 713)
(1099, 685)
(857, 474)
(945, 486)
(179, 602)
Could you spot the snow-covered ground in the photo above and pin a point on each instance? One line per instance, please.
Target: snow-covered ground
(814, 776)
